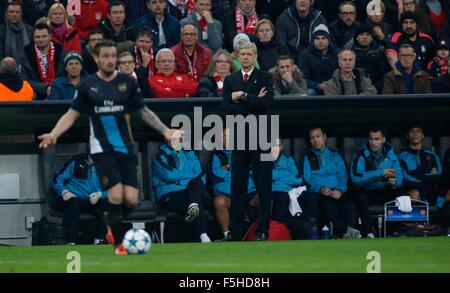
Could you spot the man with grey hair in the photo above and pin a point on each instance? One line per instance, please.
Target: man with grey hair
(12, 86)
(249, 92)
(167, 83)
(346, 80)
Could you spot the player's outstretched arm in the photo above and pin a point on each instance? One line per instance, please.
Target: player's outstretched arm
(63, 124)
(152, 120)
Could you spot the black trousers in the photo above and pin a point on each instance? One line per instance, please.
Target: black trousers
(366, 198)
(73, 208)
(262, 175)
(179, 201)
(340, 212)
(280, 207)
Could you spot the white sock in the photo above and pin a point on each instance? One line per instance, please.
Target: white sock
(204, 238)
(226, 233)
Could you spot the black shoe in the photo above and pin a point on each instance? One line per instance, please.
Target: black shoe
(226, 238)
(261, 236)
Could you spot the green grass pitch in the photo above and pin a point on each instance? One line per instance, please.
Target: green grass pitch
(430, 254)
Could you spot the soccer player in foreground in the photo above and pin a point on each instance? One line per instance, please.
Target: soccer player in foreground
(108, 97)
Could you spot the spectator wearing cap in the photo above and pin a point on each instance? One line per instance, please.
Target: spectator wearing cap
(12, 86)
(423, 44)
(425, 25)
(65, 87)
(439, 65)
(346, 80)
(296, 25)
(407, 77)
(318, 61)
(343, 29)
(369, 55)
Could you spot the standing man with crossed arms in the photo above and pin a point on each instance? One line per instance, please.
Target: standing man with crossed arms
(249, 92)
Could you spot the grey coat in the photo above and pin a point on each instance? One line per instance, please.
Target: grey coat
(333, 86)
(214, 41)
(296, 88)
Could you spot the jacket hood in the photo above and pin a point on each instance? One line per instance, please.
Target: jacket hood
(415, 71)
(12, 81)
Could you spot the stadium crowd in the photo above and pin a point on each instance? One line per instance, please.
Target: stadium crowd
(187, 48)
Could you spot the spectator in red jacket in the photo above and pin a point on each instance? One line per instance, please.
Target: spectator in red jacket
(62, 32)
(191, 57)
(167, 83)
(92, 13)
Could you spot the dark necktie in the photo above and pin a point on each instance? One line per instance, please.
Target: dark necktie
(245, 77)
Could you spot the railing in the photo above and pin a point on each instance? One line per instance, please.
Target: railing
(341, 115)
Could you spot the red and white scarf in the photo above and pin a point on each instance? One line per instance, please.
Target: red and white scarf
(203, 26)
(219, 83)
(250, 28)
(47, 76)
(192, 70)
(151, 64)
(185, 6)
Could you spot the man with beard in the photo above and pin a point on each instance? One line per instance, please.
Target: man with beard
(344, 28)
(422, 43)
(109, 98)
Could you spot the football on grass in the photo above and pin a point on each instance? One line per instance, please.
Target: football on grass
(137, 241)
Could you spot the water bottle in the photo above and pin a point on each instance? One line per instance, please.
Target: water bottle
(314, 233)
(325, 232)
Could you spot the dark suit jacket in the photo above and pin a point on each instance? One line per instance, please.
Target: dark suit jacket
(30, 69)
(253, 105)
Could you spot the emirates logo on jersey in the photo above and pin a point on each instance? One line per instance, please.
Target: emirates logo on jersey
(109, 107)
